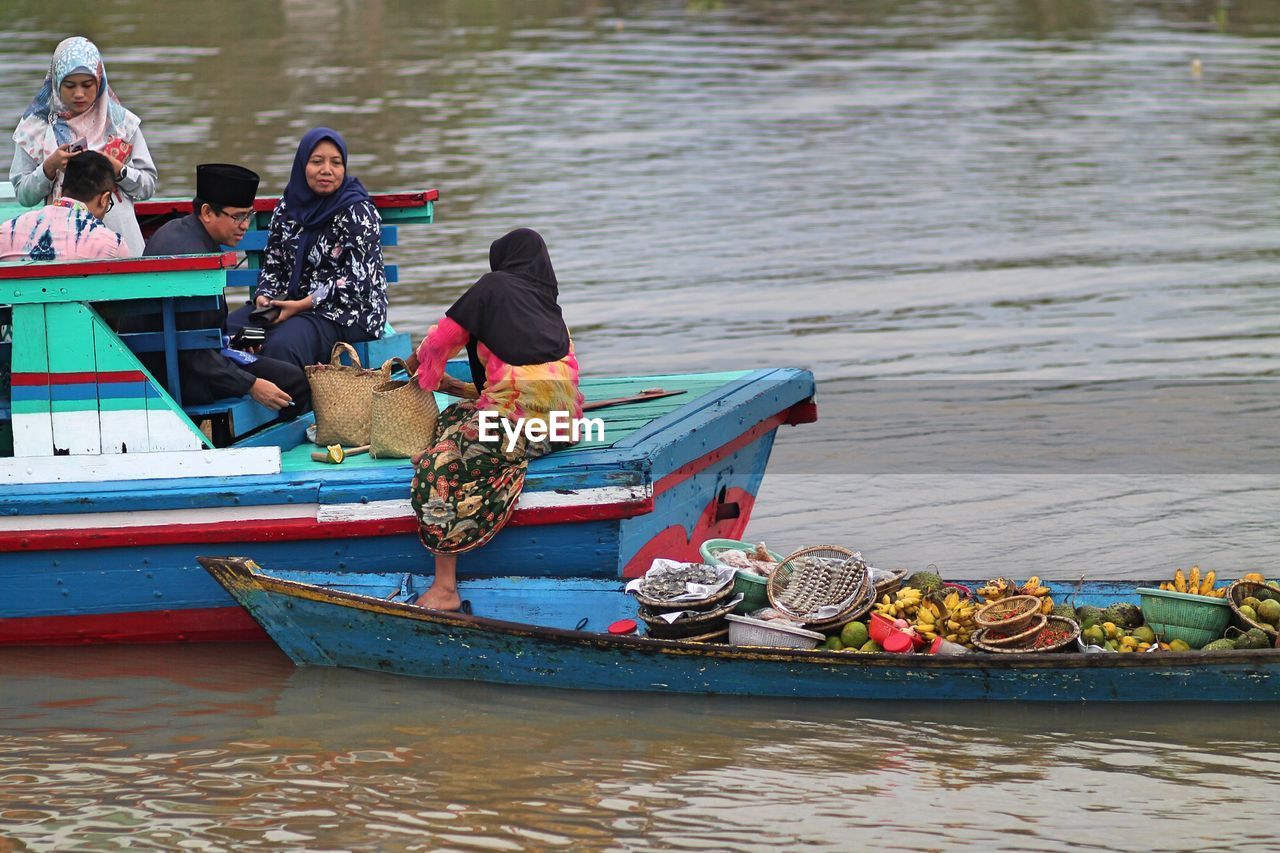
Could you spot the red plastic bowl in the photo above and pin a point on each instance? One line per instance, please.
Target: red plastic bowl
(880, 628)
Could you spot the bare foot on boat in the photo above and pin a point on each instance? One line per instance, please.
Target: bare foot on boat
(440, 599)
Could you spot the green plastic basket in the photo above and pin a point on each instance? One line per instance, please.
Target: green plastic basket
(1194, 619)
(753, 587)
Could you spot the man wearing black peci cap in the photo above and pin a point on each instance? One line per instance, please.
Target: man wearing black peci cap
(221, 214)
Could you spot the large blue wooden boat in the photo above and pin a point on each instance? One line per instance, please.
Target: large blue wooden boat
(110, 486)
(552, 632)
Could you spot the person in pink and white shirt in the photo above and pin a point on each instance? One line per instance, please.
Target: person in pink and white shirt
(71, 228)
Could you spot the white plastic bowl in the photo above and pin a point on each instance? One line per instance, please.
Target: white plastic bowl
(745, 631)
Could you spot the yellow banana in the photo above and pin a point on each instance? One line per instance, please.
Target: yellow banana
(1206, 586)
(1180, 581)
(1193, 582)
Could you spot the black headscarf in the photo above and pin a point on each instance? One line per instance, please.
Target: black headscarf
(513, 310)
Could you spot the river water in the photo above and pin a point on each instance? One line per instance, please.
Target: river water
(1027, 249)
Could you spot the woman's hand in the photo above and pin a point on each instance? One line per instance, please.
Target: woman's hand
(289, 307)
(457, 388)
(261, 300)
(116, 166)
(57, 161)
(411, 363)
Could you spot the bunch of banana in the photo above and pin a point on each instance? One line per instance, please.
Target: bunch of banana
(1193, 584)
(996, 589)
(902, 605)
(1039, 590)
(950, 618)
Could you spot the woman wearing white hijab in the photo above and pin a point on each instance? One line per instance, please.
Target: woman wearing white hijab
(77, 103)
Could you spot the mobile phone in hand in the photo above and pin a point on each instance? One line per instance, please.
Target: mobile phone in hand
(79, 145)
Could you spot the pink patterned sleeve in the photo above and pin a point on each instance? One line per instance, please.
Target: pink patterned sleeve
(443, 341)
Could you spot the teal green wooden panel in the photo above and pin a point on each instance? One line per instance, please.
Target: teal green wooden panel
(424, 215)
(70, 336)
(30, 340)
(102, 288)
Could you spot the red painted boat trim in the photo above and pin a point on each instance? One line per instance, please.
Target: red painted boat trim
(264, 205)
(286, 529)
(197, 625)
(300, 529)
(84, 378)
(116, 267)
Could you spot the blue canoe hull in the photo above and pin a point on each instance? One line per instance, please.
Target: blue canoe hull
(323, 626)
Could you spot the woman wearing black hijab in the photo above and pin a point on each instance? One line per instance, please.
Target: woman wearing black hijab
(522, 366)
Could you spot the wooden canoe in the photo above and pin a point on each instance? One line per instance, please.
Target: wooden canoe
(553, 633)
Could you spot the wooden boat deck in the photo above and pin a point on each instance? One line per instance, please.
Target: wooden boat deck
(620, 422)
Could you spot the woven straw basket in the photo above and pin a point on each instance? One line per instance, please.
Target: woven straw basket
(404, 416)
(342, 396)
(822, 575)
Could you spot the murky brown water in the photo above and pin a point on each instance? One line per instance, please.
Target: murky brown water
(1007, 198)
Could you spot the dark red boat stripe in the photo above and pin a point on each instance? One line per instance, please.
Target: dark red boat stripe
(198, 625)
(284, 530)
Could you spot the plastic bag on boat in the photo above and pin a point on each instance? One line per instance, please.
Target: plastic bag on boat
(672, 618)
(748, 563)
(879, 575)
(768, 614)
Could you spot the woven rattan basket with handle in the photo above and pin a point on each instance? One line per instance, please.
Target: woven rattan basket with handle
(342, 396)
(821, 576)
(403, 416)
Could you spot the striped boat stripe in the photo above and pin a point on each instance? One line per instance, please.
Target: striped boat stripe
(322, 514)
(78, 378)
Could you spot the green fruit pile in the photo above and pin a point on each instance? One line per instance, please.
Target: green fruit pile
(1115, 638)
(1262, 607)
(853, 637)
(1254, 638)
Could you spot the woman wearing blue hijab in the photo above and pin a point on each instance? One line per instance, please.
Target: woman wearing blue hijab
(322, 267)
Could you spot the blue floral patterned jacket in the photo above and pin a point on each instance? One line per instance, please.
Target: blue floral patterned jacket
(343, 271)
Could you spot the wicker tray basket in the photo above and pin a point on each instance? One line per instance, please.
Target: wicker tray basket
(1012, 641)
(720, 635)
(821, 576)
(1072, 626)
(886, 586)
(688, 626)
(1238, 592)
(990, 615)
(663, 606)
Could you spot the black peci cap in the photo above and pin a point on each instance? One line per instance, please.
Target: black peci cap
(226, 185)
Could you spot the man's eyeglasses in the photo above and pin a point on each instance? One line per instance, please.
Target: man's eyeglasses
(237, 218)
